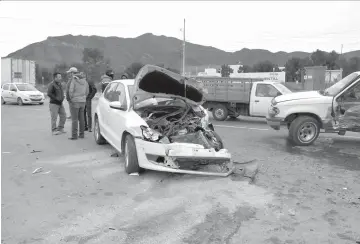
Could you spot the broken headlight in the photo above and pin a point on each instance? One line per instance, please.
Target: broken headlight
(149, 134)
(273, 102)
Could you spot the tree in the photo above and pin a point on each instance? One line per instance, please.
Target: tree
(294, 66)
(245, 69)
(321, 58)
(94, 63)
(265, 66)
(133, 69)
(226, 70)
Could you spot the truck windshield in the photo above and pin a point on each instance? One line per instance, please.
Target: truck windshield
(340, 85)
(26, 87)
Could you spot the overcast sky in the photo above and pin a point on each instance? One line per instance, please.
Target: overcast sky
(230, 26)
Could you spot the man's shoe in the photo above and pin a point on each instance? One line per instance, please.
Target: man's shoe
(60, 132)
(86, 129)
(72, 138)
(82, 137)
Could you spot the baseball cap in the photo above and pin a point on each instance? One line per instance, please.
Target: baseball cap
(72, 70)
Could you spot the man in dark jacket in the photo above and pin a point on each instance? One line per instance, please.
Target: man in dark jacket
(88, 110)
(56, 95)
(106, 79)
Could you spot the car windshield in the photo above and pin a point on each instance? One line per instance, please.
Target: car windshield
(26, 87)
(340, 85)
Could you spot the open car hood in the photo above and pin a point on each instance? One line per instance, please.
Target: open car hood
(156, 82)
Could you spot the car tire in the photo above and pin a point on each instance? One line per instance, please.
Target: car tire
(130, 155)
(99, 139)
(220, 112)
(2, 100)
(304, 130)
(20, 101)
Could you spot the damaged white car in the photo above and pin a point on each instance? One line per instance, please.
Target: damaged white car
(158, 123)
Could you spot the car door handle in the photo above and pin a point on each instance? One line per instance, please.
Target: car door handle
(257, 101)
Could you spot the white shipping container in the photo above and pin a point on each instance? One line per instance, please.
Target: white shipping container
(17, 71)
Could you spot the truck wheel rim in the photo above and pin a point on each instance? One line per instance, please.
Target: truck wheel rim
(126, 154)
(219, 113)
(307, 132)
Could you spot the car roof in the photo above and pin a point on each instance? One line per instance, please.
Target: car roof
(127, 82)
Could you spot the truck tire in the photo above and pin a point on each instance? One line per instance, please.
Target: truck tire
(130, 154)
(220, 112)
(304, 130)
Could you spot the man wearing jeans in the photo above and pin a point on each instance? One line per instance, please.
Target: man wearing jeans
(88, 110)
(56, 95)
(78, 91)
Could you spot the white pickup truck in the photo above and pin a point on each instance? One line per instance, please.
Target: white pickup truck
(335, 110)
(232, 97)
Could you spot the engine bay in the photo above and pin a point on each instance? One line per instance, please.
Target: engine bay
(181, 124)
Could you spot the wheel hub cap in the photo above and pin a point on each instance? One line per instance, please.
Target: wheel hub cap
(307, 132)
(126, 155)
(219, 113)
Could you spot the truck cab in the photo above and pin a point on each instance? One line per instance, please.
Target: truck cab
(333, 110)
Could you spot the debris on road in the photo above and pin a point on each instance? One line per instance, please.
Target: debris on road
(112, 228)
(35, 151)
(38, 170)
(114, 155)
(47, 172)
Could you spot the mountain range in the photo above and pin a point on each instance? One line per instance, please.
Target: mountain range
(147, 48)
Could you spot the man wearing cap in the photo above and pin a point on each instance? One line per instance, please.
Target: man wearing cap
(77, 91)
(106, 79)
(70, 72)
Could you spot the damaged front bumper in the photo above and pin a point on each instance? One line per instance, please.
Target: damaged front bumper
(184, 158)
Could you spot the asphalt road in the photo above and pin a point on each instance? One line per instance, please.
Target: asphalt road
(300, 195)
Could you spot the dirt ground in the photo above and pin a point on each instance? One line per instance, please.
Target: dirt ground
(300, 195)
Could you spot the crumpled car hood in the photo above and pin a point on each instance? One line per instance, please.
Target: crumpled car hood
(153, 81)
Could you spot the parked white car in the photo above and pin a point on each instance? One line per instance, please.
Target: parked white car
(21, 93)
(336, 110)
(157, 122)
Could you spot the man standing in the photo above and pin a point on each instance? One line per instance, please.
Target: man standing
(106, 79)
(78, 91)
(87, 111)
(56, 94)
(70, 72)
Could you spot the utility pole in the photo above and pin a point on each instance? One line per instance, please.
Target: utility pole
(183, 56)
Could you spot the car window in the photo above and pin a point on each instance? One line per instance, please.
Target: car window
(109, 93)
(26, 87)
(5, 87)
(120, 93)
(266, 90)
(352, 94)
(12, 87)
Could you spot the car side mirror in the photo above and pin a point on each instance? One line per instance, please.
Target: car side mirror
(278, 94)
(14, 90)
(117, 105)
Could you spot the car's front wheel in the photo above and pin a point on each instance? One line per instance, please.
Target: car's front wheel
(99, 139)
(304, 130)
(20, 101)
(131, 159)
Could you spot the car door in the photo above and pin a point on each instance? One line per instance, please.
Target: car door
(117, 118)
(104, 109)
(5, 92)
(261, 100)
(13, 93)
(348, 109)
